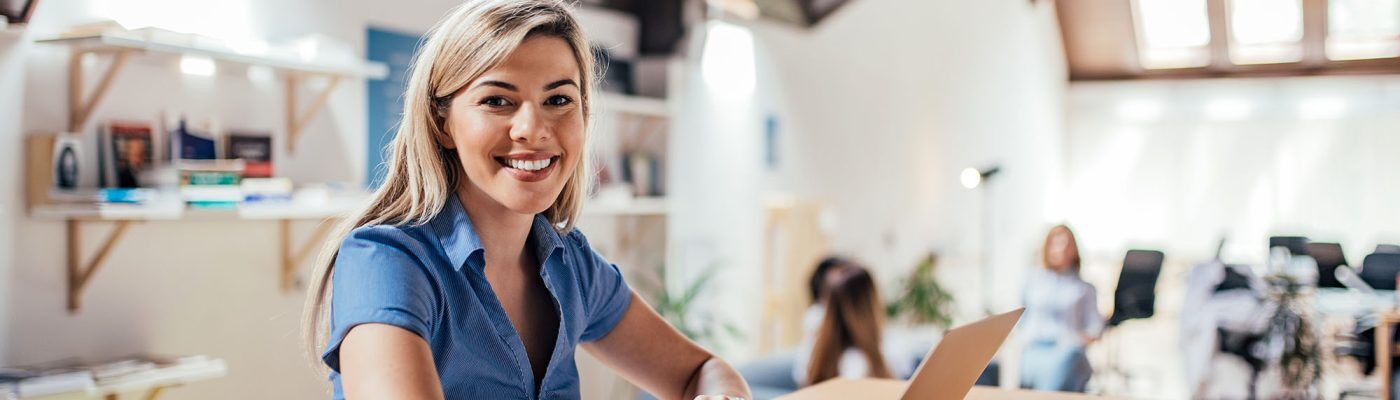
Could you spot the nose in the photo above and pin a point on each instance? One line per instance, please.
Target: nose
(529, 125)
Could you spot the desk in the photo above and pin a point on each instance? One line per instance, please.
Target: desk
(988, 393)
(147, 384)
(891, 389)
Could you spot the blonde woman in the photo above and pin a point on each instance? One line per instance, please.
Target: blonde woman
(464, 278)
(1062, 317)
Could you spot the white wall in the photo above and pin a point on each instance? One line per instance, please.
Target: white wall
(1179, 164)
(880, 107)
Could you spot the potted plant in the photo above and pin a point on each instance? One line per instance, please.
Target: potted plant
(921, 299)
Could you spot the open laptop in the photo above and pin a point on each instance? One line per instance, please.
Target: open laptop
(948, 372)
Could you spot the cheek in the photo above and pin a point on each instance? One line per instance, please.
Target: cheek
(475, 137)
(570, 134)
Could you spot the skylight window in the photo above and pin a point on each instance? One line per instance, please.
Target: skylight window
(1266, 31)
(1172, 33)
(1363, 29)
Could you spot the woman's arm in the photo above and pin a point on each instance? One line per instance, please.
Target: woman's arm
(379, 361)
(652, 354)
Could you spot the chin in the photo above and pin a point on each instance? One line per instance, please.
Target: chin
(525, 202)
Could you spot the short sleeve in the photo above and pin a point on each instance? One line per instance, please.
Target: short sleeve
(1089, 308)
(377, 279)
(606, 295)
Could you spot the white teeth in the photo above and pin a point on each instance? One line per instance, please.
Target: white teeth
(530, 165)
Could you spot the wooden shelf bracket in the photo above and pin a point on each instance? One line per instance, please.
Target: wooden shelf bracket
(297, 121)
(291, 260)
(80, 106)
(80, 272)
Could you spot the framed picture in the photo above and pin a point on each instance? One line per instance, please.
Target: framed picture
(17, 11)
(67, 161)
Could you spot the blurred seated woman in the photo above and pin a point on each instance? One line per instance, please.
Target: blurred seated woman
(847, 342)
(1061, 318)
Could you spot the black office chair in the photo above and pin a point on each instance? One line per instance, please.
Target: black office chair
(1379, 270)
(1388, 248)
(1297, 245)
(1328, 256)
(1136, 295)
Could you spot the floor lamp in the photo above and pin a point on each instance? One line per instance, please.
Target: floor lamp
(973, 179)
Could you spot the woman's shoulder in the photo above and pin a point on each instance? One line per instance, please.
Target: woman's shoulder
(387, 234)
(385, 242)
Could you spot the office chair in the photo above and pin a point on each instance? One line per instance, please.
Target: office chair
(1136, 295)
(1328, 256)
(1134, 298)
(1379, 270)
(1388, 248)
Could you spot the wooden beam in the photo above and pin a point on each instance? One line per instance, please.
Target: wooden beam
(298, 120)
(80, 106)
(1218, 15)
(291, 260)
(79, 272)
(1314, 33)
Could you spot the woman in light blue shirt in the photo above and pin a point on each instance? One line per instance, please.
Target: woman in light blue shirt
(1061, 318)
(463, 277)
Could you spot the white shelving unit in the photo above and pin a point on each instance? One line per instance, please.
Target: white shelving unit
(177, 211)
(120, 47)
(127, 41)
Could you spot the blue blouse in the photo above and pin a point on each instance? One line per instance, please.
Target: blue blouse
(429, 280)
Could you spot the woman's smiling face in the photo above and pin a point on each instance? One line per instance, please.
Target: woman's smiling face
(519, 128)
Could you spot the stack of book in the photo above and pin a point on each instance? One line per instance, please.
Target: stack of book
(266, 190)
(211, 183)
(131, 374)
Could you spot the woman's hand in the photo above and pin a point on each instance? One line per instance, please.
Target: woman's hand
(716, 376)
(651, 354)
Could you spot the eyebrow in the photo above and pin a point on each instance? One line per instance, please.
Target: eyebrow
(561, 82)
(513, 88)
(499, 84)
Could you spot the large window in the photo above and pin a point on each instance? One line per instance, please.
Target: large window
(1172, 33)
(1361, 29)
(1266, 31)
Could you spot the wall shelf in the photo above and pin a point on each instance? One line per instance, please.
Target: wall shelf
(120, 47)
(117, 42)
(122, 216)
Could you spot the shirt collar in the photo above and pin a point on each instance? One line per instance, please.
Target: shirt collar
(460, 241)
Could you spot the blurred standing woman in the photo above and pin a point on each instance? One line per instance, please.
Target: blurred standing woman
(1061, 318)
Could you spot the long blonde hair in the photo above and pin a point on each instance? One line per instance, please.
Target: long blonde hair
(469, 41)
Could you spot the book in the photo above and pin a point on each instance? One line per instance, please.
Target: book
(255, 149)
(126, 152)
(267, 190)
(191, 143)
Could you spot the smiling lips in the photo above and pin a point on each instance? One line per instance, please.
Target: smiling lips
(528, 167)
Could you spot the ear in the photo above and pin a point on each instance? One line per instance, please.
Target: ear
(441, 109)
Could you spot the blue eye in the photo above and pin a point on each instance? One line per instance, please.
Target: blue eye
(560, 100)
